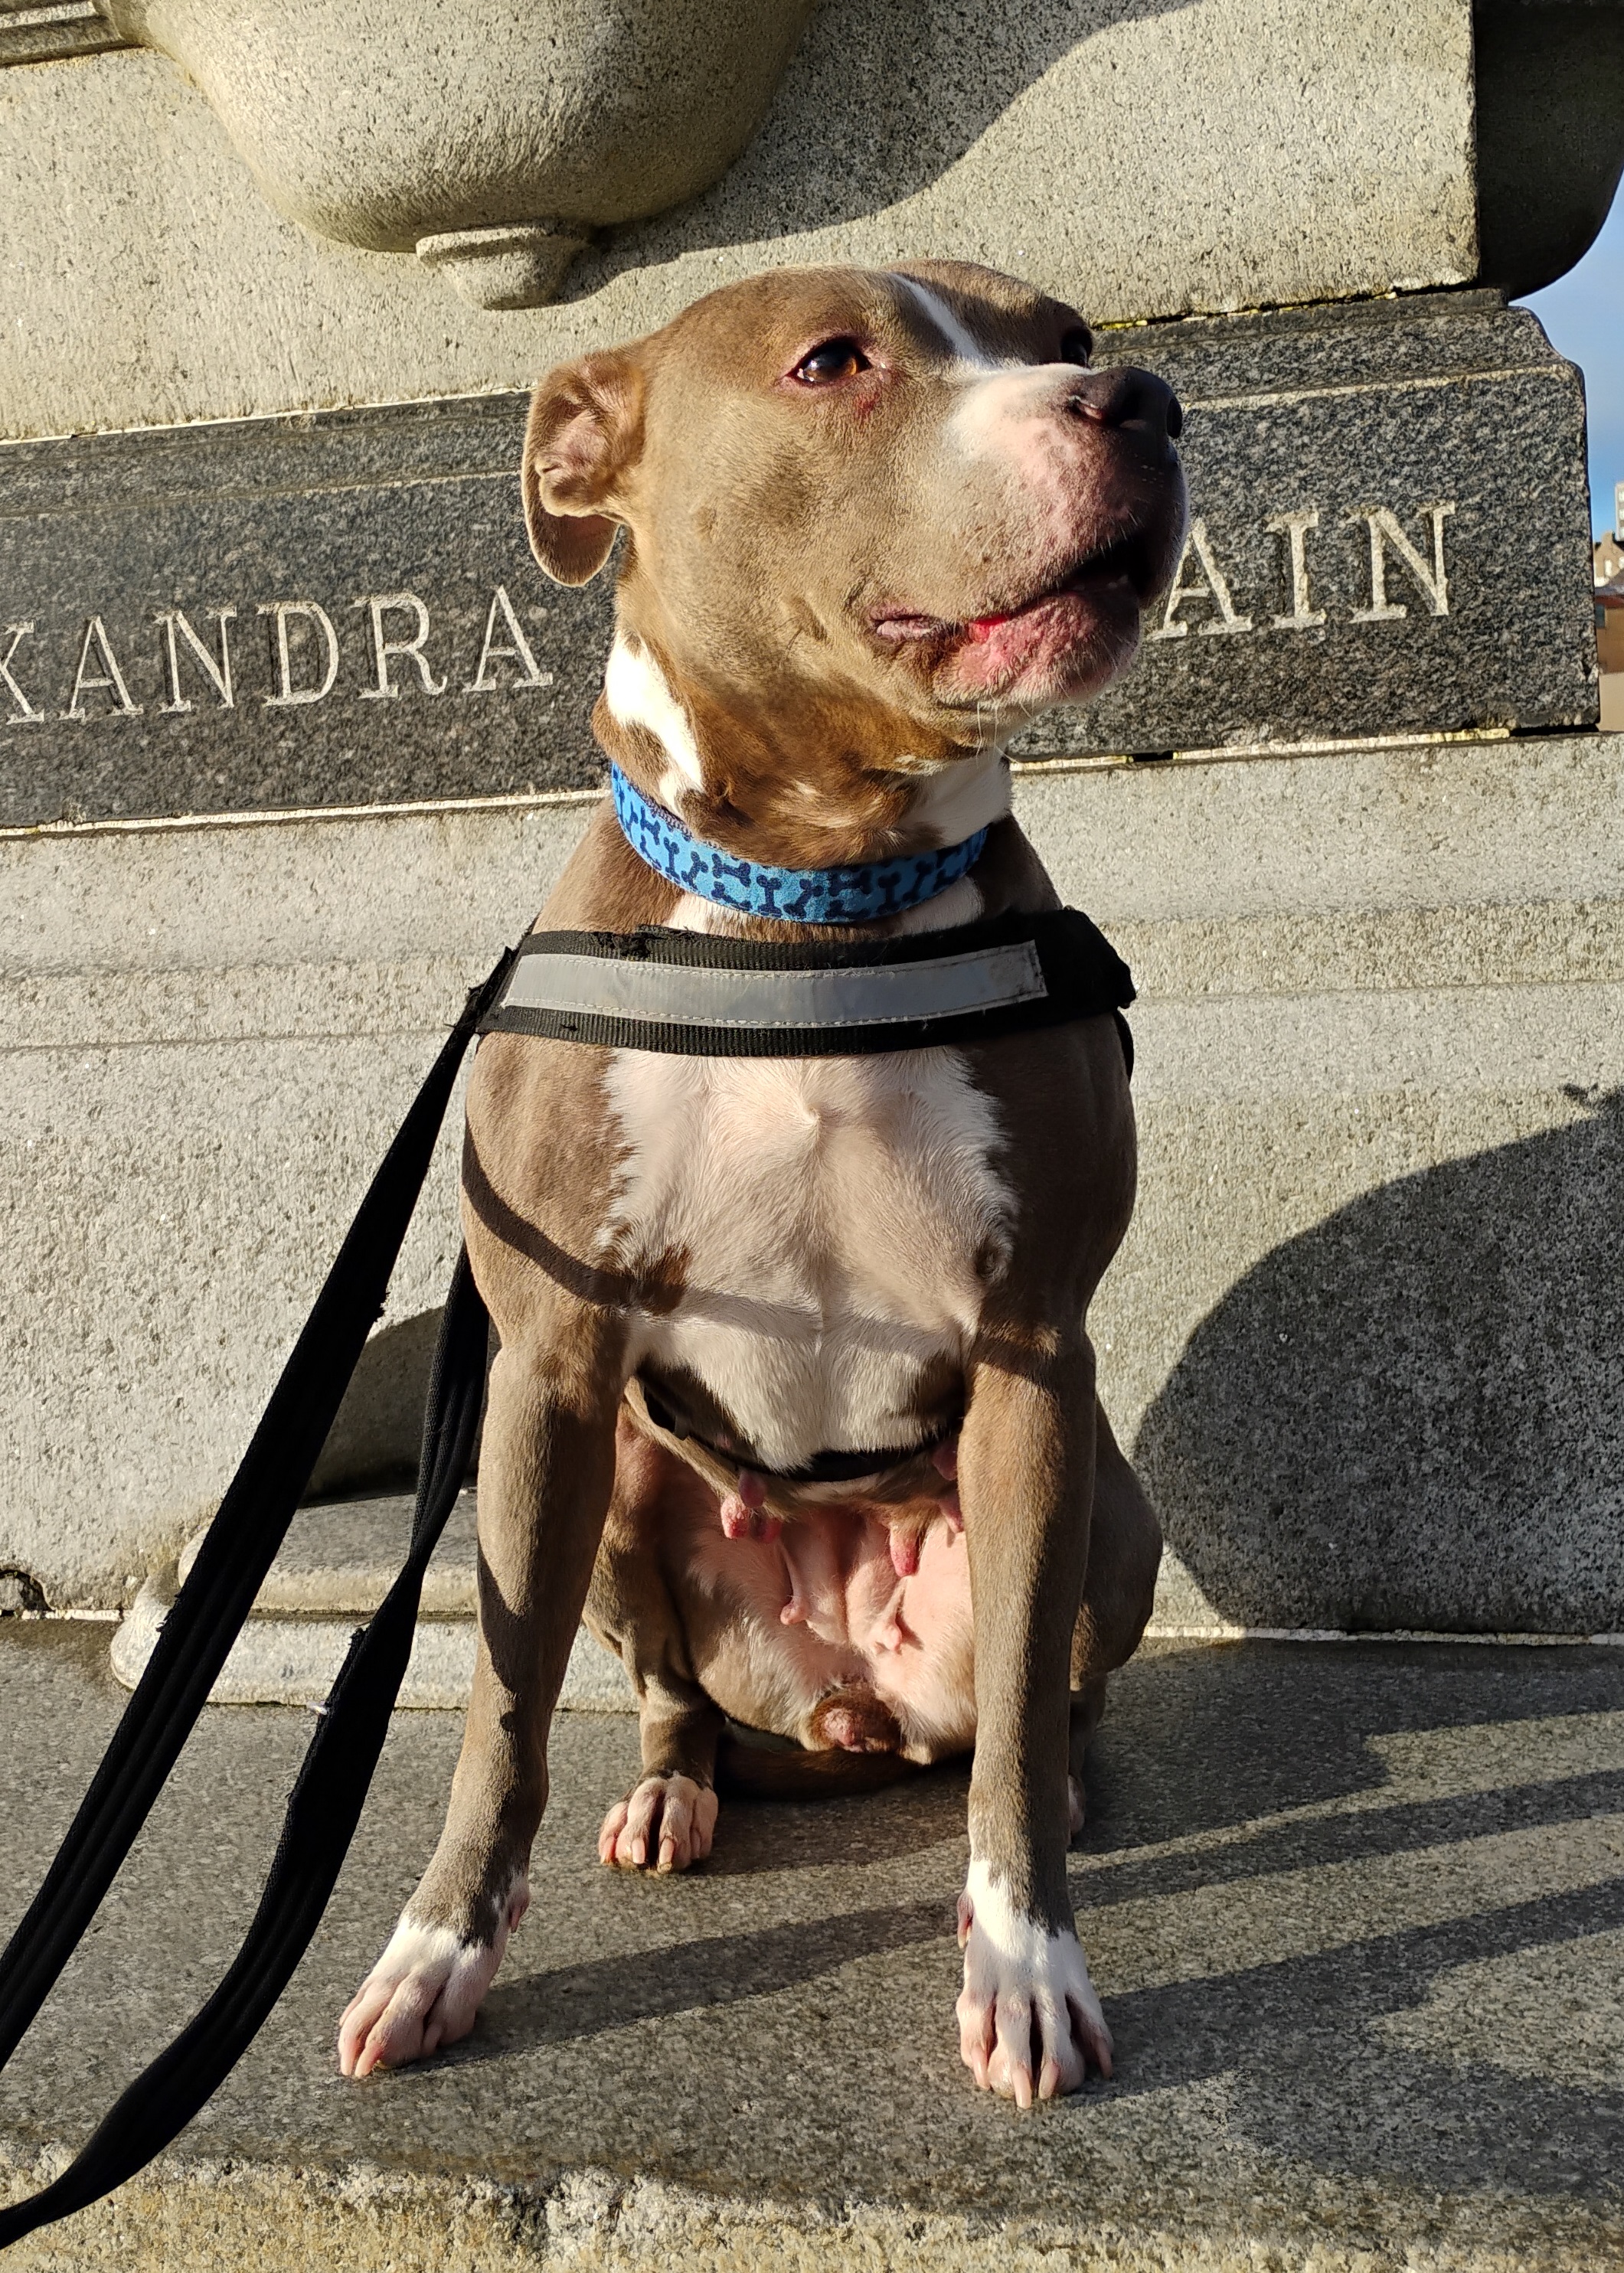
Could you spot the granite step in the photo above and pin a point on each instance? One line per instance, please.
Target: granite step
(336, 1563)
(1355, 1915)
(341, 1556)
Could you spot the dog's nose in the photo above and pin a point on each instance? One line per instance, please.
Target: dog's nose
(1126, 396)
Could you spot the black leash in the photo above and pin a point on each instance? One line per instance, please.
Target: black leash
(674, 991)
(196, 1638)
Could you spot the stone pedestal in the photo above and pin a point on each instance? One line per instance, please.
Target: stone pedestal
(1362, 1334)
(293, 736)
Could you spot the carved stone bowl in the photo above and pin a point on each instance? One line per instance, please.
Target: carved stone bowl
(490, 137)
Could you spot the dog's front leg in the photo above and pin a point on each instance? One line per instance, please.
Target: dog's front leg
(546, 1469)
(1029, 2021)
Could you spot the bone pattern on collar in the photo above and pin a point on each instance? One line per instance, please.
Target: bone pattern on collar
(863, 892)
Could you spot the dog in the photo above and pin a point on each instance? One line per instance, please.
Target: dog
(874, 523)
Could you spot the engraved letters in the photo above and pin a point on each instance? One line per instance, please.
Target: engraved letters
(22, 708)
(218, 674)
(1294, 527)
(382, 604)
(1212, 588)
(1384, 530)
(109, 678)
(280, 612)
(305, 656)
(1385, 535)
(514, 645)
(1332, 569)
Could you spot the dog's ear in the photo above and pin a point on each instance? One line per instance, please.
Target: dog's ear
(585, 430)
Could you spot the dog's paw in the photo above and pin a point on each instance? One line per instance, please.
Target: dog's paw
(667, 1821)
(1029, 2023)
(422, 1993)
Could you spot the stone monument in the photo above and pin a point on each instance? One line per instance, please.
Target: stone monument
(293, 734)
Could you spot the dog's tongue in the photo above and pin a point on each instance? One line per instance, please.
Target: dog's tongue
(982, 627)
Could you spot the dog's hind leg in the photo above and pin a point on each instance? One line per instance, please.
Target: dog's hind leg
(668, 1817)
(546, 1471)
(1125, 1554)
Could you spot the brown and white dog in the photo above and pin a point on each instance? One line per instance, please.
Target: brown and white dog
(875, 523)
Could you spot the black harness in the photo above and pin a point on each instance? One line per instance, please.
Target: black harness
(688, 994)
(648, 990)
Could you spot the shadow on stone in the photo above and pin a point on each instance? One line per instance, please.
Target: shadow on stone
(612, 1993)
(1413, 1414)
(1324, 2057)
(917, 94)
(1378, 2013)
(921, 1808)
(1198, 1739)
(1289, 2038)
(373, 1443)
(1300, 2044)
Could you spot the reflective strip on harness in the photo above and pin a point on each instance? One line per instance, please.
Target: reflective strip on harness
(682, 994)
(697, 994)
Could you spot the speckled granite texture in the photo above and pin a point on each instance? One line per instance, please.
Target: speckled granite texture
(416, 505)
(1355, 1914)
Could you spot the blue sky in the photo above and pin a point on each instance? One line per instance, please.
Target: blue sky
(1584, 314)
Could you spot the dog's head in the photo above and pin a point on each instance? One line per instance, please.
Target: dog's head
(899, 507)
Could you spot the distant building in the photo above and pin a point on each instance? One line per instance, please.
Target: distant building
(1607, 553)
(1610, 649)
(1609, 625)
(1607, 568)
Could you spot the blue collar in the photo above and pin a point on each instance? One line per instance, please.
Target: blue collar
(860, 893)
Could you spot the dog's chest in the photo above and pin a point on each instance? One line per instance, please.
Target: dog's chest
(833, 1222)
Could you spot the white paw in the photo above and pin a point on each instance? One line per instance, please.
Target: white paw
(669, 1820)
(422, 1993)
(1029, 2023)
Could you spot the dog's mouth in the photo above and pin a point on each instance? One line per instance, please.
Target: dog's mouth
(1132, 558)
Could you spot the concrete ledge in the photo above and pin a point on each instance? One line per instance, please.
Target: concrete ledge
(296, 1662)
(335, 1565)
(1357, 1916)
(266, 2217)
(340, 1558)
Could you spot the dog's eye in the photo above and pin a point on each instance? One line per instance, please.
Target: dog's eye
(1077, 345)
(834, 360)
